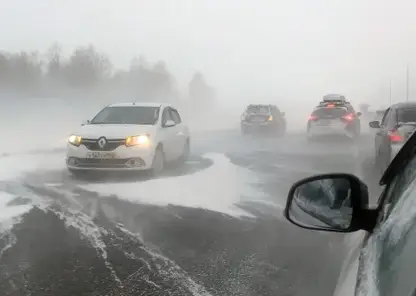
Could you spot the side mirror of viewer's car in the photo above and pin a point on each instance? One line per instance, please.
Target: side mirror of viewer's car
(330, 202)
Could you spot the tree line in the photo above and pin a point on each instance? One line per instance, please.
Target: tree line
(86, 70)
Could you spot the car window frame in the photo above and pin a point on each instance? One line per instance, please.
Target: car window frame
(175, 113)
(164, 120)
(392, 120)
(385, 115)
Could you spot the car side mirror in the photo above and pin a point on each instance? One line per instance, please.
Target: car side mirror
(374, 124)
(85, 122)
(359, 114)
(283, 113)
(330, 202)
(169, 123)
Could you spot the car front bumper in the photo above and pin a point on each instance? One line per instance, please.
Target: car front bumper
(120, 159)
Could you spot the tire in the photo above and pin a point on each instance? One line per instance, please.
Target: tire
(186, 151)
(158, 163)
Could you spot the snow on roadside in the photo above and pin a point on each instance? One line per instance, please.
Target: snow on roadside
(13, 166)
(15, 200)
(9, 210)
(219, 188)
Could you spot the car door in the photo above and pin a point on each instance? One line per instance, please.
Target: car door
(388, 261)
(168, 135)
(180, 133)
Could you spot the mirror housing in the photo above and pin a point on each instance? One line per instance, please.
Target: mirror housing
(333, 202)
(169, 123)
(374, 124)
(85, 122)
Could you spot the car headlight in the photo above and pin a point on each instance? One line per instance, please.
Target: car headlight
(74, 140)
(143, 140)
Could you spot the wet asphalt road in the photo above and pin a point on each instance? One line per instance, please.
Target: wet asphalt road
(84, 244)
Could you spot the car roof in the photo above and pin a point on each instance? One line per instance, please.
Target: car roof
(402, 105)
(139, 104)
(261, 105)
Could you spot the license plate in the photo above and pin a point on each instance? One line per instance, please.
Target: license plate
(101, 155)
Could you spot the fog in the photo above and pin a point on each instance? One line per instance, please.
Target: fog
(285, 52)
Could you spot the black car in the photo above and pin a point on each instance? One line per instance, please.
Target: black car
(380, 249)
(267, 118)
(397, 124)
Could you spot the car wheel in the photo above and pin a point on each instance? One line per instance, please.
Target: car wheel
(158, 163)
(186, 151)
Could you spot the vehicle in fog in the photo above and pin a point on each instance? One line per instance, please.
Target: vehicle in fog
(267, 118)
(334, 116)
(129, 136)
(380, 253)
(395, 127)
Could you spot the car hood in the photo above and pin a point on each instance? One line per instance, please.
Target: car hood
(113, 131)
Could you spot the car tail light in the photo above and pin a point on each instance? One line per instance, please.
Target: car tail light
(395, 136)
(330, 105)
(312, 118)
(270, 118)
(348, 117)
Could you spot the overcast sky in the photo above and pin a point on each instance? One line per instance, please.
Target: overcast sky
(289, 49)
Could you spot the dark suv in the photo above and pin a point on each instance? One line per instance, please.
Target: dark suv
(380, 257)
(258, 118)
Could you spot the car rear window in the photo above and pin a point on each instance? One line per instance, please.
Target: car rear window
(332, 112)
(406, 115)
(258, 109)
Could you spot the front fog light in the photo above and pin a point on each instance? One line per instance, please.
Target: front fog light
(74, 140)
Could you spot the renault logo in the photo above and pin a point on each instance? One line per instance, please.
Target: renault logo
(101, 142)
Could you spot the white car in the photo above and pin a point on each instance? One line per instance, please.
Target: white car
(330, 119)
(129, 136)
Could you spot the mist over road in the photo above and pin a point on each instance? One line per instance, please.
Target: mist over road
(211, 227)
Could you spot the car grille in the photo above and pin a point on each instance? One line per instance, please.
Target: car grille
(104, 163)
(92, 144)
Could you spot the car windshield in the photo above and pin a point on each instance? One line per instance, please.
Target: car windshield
(407, 115)
(127, 115)
(330, 112)
(258, 109)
